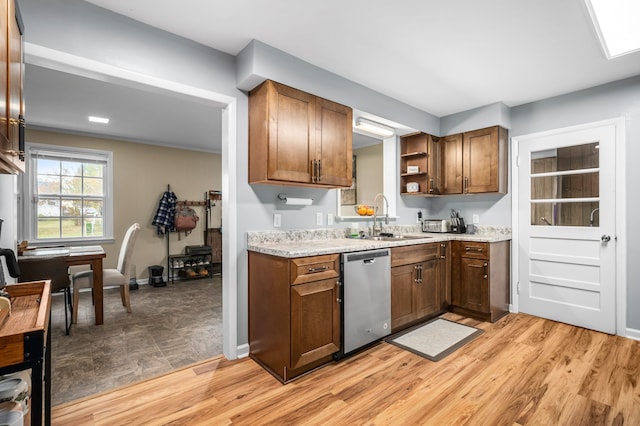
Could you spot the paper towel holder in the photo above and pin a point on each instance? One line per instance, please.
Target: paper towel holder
(290, 201)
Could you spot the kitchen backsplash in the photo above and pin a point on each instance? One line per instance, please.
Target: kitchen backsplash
(261, 237)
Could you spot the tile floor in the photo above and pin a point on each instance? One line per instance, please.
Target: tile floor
(169, 327)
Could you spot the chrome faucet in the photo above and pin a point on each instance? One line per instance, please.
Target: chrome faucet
(377, 229)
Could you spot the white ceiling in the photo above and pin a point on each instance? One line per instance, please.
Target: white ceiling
(442, 57)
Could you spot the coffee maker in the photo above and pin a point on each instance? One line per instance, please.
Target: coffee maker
(12, 266)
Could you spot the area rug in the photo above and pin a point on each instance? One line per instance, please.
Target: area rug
(435, 339)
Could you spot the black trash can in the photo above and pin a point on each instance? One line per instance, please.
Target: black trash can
(155, 276)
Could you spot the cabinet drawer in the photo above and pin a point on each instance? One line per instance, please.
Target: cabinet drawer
(474, 250)
(307, 269)
(414, 254)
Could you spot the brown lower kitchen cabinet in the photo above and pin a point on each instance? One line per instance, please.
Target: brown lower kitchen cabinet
(418, 277)
(294, 312)
(480, 279)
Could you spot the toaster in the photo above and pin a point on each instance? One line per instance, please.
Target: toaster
(436, 225)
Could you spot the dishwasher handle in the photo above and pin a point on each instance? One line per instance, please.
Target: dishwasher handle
(369, 261)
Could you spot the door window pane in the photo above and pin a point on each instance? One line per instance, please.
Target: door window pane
(582, 185)
(566, 214)
(567, 173)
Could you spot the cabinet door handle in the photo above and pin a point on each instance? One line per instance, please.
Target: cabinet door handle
(21, 125)
(314, 171)
(485, 270)
(466, 185)
(431, 185)
(476, 249)
(318, 269)
(319, 170)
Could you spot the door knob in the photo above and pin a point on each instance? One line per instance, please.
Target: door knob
(605, 238)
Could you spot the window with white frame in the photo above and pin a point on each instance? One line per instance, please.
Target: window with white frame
(67, 194)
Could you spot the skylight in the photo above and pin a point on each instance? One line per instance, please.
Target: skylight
(617, 23)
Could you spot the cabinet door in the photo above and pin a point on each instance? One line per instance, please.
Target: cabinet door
(452, 167)
(403, 280)
(481, 161)
(435, 168)
(14, 78)
(334, 137)
(11, 149)
(315, 321)
(291, 134)
(474, 284)
(445, 266)
(4, 81)
(427, 289)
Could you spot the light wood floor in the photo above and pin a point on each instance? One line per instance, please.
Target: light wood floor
(522, 371)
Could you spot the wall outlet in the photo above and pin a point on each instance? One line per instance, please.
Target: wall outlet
(476, 218)
(277, 220)
(330, 218)
(319, 219)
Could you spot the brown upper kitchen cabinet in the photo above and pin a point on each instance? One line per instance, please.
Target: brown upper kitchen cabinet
(11, 97)
(476, 162)
(420, 165)
(296, 138)
(452, 164)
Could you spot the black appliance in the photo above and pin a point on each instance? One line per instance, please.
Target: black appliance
(155, 276)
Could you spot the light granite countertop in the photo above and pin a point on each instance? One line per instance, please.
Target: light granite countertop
(302, 243)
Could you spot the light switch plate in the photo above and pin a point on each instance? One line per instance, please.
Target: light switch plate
(330, 218)
(319, 219)
(277, 220)
(476, 218)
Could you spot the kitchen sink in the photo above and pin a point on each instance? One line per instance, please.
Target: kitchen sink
(394, 237)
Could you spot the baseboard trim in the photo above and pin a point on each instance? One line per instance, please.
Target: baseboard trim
(632, 333)
(242, 351)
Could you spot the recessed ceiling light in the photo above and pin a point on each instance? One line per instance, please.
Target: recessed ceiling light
(617, 23)
(101, 120)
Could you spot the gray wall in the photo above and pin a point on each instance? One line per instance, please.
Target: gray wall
(8, 213)
(618, 99)
(103, 36)
(106, 37)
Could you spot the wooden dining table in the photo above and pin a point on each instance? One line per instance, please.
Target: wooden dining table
(76, 255)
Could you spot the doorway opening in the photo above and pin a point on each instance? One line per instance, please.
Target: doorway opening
(60, 61)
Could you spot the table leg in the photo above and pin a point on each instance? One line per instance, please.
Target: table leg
(98, 290)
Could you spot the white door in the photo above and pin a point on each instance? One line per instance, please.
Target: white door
(566, 227)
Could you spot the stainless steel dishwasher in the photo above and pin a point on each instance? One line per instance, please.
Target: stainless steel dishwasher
(366, 299)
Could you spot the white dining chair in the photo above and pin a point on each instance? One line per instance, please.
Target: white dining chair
(110, 277)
